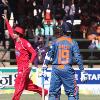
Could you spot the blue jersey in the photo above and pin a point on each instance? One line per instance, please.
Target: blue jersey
(62, 52)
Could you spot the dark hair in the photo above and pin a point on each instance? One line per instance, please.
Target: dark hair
(20, 35)
(66, 28)
(17, 25)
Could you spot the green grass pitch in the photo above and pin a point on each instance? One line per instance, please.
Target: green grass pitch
(37, 97)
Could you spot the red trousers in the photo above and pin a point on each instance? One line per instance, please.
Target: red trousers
(23, 82)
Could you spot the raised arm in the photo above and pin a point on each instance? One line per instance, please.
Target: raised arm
(9, 28)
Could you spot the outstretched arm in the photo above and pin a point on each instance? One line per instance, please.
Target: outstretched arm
(10, 30)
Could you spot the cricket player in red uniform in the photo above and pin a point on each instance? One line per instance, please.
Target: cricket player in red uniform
(22, 50)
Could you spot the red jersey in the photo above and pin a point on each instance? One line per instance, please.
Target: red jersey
(22, 48)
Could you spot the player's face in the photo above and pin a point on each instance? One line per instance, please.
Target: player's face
(15, 35)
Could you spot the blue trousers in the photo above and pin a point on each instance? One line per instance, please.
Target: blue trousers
(66, 78)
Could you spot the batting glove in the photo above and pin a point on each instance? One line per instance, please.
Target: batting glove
(84, 76)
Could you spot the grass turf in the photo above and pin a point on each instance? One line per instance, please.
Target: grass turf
(37, 97)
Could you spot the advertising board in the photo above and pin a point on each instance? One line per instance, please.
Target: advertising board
(8, 75)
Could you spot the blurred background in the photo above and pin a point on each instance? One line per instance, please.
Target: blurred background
(39, 17)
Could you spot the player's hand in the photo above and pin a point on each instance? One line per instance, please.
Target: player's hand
(30, 65)
(4, 16)
(84, 76)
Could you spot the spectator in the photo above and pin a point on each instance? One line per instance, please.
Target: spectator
(58, 12)
(83, 31)
(92, 32)
(2, 32)
(46, 3)
(29, 20)
(70, 11)
(39, 31)
(48, 23)
(12, 4)
(41, 50)
(97, 40)
(30, 35)
(20, 11)
(37, 20)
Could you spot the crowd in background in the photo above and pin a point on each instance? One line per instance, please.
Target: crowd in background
(38, 18)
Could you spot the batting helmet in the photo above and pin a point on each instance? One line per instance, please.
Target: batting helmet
(66, 27)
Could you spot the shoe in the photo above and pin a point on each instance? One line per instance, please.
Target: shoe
(46, 97)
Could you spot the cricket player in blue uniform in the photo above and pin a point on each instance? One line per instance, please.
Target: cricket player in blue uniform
(61, 54)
